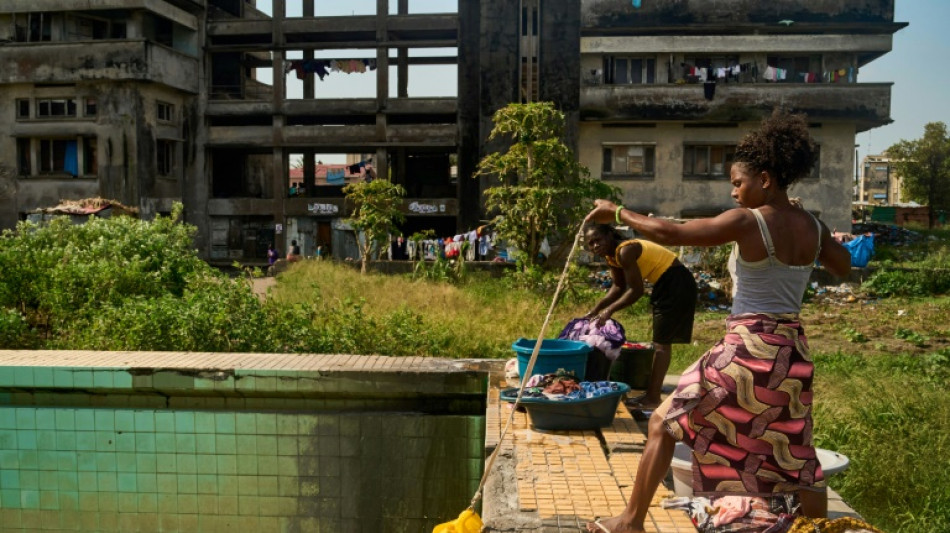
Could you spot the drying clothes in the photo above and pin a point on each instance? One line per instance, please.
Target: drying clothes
(709, 90)
(746, 514)
(608, 339)
(744, 408)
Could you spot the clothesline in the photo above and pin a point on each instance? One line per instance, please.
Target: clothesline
(323, 67)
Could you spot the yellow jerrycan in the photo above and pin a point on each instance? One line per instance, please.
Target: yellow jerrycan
(467, 522)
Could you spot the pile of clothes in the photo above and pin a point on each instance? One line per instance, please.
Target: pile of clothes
(563, 386)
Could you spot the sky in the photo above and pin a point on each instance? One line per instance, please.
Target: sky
(919, 93)
(915, 66)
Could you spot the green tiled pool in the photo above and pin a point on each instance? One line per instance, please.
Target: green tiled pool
(139, 449)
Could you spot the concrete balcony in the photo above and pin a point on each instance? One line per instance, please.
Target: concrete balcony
(71, 62)
(336, 107)
(356, 136)
(866, 104)
(337, 32)
(666, 14)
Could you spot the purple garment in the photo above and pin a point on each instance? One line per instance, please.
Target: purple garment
(608, 339)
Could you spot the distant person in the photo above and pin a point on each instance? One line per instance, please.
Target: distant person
(399, 249)
(272, 255)
(293, 254)
(631, 263)
(745, 407)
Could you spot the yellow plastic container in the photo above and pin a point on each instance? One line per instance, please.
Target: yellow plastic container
(467, 522)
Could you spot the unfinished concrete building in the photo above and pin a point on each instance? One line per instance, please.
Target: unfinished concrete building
(224, 105)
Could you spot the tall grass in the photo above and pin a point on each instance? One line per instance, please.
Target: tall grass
(891, 417)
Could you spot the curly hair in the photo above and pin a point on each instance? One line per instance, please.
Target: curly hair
(780, 146)
(607, 230)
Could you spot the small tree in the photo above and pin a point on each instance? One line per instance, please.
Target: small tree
(542, 189)
(376, 210)
(924, 165)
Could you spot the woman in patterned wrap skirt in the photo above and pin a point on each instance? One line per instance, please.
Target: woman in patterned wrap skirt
(745, 406)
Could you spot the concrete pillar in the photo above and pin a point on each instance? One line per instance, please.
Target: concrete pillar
(382, 87)
(279, 166)
(402, 69)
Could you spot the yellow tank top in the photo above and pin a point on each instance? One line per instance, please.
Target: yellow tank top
(654, 260)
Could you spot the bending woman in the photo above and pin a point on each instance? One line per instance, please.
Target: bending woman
(673, 298)
(745, 406)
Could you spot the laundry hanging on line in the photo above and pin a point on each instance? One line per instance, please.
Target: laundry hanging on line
(323, 67)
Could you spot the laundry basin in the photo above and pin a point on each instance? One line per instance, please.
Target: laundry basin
(831, 464)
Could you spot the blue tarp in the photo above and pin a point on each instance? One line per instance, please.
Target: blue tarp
(861, 249)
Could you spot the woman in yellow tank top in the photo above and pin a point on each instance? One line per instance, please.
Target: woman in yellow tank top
(673, 299)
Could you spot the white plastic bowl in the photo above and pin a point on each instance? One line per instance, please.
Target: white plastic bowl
(831, 464)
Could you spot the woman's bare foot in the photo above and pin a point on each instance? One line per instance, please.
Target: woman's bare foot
(616, 524)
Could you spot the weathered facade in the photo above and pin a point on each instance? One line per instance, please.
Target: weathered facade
(97, 102)
(214, 102)
(880, 182)
(652, 125)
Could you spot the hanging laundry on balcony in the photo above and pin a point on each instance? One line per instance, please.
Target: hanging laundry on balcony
(323, 67)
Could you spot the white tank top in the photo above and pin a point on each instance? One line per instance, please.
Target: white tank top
(768, 285)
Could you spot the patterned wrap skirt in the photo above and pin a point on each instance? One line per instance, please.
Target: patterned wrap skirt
(745, 410)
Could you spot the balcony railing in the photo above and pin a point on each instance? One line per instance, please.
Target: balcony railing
(70, 62)
(868, 104)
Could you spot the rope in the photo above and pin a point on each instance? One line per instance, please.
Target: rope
(528, 369)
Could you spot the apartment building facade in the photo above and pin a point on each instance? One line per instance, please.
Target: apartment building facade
(880, 181)
(669, 88)
(220, 103)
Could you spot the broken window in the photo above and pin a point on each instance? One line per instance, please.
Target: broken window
(56, 107)
(165, 153)
(629, 160)
(22, 108)
(629, 70)
(163, 31)
(40, 26)
(58, 156)
(91, 108)
(711, 161)
(165, 111)
(23, 151)
(89, 160)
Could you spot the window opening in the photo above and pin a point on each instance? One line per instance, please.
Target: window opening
(629, 160)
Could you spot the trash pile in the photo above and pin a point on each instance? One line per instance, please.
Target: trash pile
(886, 233)
(600, 279)
(713, 294)
(835, 294)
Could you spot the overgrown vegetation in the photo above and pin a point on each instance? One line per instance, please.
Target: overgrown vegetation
(882, 365)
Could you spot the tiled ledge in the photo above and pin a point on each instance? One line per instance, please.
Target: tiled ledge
(251, 381)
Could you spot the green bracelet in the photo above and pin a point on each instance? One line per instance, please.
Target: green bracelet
(617, 215)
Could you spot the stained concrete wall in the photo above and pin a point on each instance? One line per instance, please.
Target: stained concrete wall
(620, 13)
(669, 194)
(215, 448)
(125, 128)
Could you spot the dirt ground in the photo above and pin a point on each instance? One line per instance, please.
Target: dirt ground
(260, 286)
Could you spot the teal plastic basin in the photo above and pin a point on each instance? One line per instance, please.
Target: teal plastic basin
(555, 354)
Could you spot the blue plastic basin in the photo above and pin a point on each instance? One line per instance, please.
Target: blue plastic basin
(561, 415)
(555, 354)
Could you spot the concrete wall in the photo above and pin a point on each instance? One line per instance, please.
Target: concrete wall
(620, 13)
(669, 194)
(125, 128)
(134, 447)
